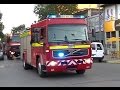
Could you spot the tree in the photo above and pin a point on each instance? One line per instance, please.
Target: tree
(18, 29)
(42, 10)
(1, 30)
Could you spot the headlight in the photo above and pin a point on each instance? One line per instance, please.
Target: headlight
(87, 60)
(12, 52)
(1, 53)
(53, 63)
(61, 54)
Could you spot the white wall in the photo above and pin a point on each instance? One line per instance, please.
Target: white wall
(118, 11)
(109, 12)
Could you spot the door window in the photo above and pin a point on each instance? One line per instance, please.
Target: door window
(99, 47)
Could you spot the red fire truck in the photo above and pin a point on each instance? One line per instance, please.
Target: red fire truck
(13, 47)
(56, 44)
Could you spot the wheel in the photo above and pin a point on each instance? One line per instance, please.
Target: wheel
(80, 71)
(26, 66)
(3, 58)
(101, 59)
(40, 71)
(8, 57)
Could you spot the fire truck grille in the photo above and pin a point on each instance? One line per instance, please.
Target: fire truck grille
(70, 53)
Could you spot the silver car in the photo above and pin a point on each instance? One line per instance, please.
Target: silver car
(1, 55)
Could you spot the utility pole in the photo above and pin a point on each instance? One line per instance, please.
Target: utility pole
(99, 23)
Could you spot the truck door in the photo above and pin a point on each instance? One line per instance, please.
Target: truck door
(99, 50)
(37, 40)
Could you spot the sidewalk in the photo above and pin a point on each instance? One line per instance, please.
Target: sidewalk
(109, 59)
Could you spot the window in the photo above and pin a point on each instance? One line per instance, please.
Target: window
(35, 35)
(119, 33)
(108, 45)
(69, 33)
(113, 34)
(108, 34)
(114, 44)
(99, 47)
(38, 34)
(42, 34)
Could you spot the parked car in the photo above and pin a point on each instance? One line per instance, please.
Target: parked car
(97, 51)
(1, 54)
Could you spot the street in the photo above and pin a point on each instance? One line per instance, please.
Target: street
(12, 74)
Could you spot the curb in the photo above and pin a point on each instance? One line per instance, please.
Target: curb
(114, 62)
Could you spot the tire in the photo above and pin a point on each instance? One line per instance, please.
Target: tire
(9, 58)
(3, 58)
(26, 66)
(101, 59)
(80, 71)
(40, 71)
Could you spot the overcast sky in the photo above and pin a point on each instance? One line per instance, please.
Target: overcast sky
(17, 14)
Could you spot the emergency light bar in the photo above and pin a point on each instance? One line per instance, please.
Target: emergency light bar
(65, 16)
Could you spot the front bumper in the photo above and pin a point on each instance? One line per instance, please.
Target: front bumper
(65, 65)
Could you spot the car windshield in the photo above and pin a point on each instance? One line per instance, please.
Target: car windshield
(15, 38)
(70, 33)
(15, 47)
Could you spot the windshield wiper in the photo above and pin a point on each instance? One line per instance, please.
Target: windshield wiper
(61, 41)
(58, 40)
(78, 39)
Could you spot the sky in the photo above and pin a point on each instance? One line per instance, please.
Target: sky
(17, 14)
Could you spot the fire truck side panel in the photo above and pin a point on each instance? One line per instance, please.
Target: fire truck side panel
(21, 48)
(28, 48)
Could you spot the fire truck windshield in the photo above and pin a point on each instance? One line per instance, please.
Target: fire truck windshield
(15, 38)
(69, 33)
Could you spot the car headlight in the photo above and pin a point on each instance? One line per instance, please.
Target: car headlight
(12, 52)
(1, 53)
(53, 63)
(61, 54)
(87, 60)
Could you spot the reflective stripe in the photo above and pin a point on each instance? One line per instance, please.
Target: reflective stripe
(69, 62)
(37, 44)
(24, 34)
(67, 47)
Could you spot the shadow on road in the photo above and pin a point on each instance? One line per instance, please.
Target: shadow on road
(63, 75)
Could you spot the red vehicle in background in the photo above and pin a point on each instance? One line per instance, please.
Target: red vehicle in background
(13, 47)
(56, 44)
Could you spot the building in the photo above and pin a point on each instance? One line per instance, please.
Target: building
(94, 18)
(112, 26)
(86, 6)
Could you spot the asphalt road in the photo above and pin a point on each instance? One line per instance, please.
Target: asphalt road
(12, 74)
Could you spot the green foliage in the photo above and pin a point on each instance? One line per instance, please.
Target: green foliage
(18, 28)
(1, 30)
(1, 26)
(42, 10)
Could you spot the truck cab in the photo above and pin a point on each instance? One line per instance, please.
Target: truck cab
(97, 51)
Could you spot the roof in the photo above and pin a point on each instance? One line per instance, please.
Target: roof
(104, 5)
(96, 43)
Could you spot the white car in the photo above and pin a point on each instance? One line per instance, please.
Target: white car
(97, 51)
